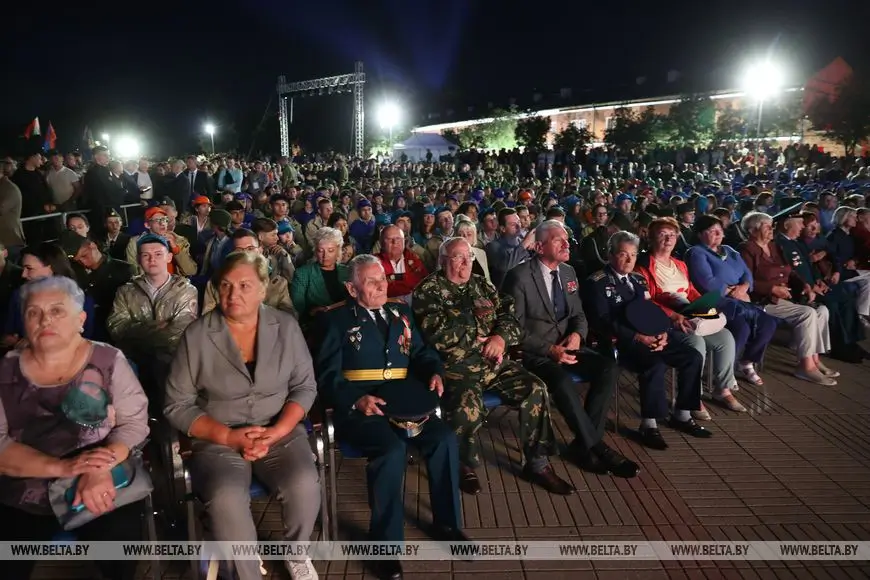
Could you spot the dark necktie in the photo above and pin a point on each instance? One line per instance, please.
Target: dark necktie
(628, 285)
(382, 323)
(560, 305)
(192, 177)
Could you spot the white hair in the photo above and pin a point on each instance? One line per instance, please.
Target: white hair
(841, 214)
(463, 225)
(545, 227)
(447, 244)
(619, 238)
(753, 220)
(54, 284)
(358, 263)
(327, 236)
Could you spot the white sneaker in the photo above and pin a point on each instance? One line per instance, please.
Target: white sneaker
(302, 570)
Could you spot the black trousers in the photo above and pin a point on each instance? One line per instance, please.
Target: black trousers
(386, 451)
(586, 420)
(651, 368)
(123, 524)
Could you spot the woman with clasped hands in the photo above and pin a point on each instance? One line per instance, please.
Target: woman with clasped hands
(240, 385)
(68, 407)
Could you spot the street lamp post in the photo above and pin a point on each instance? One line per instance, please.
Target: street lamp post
(763, 80)
(209, 128)
(389, 117)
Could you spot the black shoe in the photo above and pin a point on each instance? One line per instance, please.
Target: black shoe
(549, 480)
(651, 437)
(585, 459)
(690, 428)
(387, 569)
(615, 463)
(468, 482)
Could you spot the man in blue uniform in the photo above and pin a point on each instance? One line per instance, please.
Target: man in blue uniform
(617, 305)
(384, 384)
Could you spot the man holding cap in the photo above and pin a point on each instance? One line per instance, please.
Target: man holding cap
(617, 305)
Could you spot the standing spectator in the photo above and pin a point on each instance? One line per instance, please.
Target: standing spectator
(199, 183)
(229, 179)
(257, 180)
(35, 197)
(10, 279)
(11, 232)
(65, 184)
(100, 192)
(143, 181)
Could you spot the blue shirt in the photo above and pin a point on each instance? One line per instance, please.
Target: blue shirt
(710, 273)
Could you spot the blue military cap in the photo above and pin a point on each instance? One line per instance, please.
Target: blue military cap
(647, 318)
(363, 203)
(284, 227)
(152, 239)
(429, 210)
(477, 195)
(383, 219)
(499, 194)
(625, 197)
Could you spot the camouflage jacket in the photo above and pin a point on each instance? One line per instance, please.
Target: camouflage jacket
(453, 317)
(140, 325)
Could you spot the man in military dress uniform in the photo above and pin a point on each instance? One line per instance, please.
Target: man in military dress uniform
(471, 326)
(845, 323)
(686, 239)
(617, 305)
(384, 384)
(100, 276)
(114, 242)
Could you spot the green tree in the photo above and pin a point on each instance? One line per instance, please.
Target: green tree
(730, 125)
(377, 142)
(500, 133)
(627, 131)
(845, 118)
(692, 120)
(572, 138)
(531, 132)
(452, 136)
(781, 116)
(653, 128)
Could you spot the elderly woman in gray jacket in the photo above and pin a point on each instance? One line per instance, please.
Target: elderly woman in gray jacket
(240, 385)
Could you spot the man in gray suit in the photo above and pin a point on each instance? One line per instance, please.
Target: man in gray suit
(546, 292)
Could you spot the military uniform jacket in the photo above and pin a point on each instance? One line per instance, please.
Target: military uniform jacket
(352, 341)
(102, 284)
(605, 299)
(453, 317)
(794, 254)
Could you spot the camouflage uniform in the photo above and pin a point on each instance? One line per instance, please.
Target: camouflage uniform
(452, 318)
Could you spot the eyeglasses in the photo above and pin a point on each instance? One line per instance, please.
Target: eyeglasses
(461, 259)
(161, 220)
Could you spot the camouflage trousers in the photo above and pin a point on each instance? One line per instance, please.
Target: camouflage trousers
(517, 388)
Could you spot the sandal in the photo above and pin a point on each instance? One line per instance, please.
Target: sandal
(827, 371)
(702, 414)
(748, 374)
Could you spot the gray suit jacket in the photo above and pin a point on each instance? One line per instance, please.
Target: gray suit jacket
(209, 377)
(534, 307)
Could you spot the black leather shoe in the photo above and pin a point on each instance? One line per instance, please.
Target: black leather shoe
(387, 569)
(591, 463)
(690, 428)
(468, 482)
(614, 463)
(548, 480)
(447, 534)
(651, 437)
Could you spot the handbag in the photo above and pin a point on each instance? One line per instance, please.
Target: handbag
(708, 326)
(139, 486)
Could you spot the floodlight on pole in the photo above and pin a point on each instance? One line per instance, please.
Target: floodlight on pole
(389, 116)
(762, 80)
(209, 128)
(105, 137)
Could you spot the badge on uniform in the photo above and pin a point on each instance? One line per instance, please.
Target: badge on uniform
(618, 299)
(571, 286)
(355, 337)
(608, 291)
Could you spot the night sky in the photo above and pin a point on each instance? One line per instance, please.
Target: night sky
(161, 71)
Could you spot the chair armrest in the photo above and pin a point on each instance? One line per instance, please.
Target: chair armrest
(180, 450)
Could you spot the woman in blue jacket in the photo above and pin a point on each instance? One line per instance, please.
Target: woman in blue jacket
(714, 267)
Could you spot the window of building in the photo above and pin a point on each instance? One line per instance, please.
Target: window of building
(580, 123)
(609, 123)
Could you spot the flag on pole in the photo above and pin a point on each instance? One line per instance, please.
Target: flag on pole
(32, 128)
(50, 138)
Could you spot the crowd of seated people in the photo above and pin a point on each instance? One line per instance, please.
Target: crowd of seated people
(242, 297)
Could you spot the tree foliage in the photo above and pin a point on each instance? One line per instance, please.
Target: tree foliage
(500, 133)
(379, 143)
(691, 121)
(572, 138)
(531, 132)
(845, 119)
(453, 136)
(730, 125)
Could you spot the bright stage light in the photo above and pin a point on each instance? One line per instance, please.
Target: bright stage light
(126, 148)
(209, 128)
(763, 79)
(105, 137)
(389, 115)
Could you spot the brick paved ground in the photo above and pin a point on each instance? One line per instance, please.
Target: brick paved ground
(795, 467)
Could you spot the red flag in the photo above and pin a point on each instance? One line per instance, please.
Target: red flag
(50, 137)
(32, 128)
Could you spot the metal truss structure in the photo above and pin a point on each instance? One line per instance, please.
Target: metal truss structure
(346, 83)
